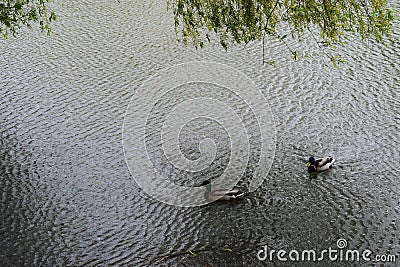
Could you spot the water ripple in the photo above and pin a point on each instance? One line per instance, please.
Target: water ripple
(67, 198)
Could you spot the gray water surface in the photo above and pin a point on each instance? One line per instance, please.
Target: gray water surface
(68, 199)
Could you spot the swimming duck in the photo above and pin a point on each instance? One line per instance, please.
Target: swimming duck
(319, 165)
(220, 194)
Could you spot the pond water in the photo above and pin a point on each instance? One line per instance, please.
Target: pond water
(68, 198)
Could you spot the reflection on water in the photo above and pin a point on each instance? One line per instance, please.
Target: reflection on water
(67, 197)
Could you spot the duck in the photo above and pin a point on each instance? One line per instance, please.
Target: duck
(320, 164)
(220, 194)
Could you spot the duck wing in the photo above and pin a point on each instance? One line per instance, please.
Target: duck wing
(323, 161)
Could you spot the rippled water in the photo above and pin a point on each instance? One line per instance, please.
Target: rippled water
(68, 199)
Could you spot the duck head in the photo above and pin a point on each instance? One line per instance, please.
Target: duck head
(311, 161)
(311, 166)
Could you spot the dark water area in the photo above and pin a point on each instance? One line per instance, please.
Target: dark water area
(67, 197)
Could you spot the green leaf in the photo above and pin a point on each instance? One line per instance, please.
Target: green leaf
(192, 253)
(52, 16)
(18, 5)
(295, 55)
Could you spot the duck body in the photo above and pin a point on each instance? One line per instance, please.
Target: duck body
(320, 164)
(221, 194)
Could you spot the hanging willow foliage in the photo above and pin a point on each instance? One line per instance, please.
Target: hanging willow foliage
(17, 13)
(243, 21)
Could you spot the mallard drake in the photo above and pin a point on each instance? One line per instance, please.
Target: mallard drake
(319, 165)
(220, 194)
